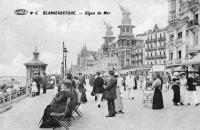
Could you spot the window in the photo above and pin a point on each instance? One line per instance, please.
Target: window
(180, 35)
(123, 29)
(127, 62)
(127, 29)
(127, 52)
(196, 17)
(171, 55)
(179, 54)
(171, 37)
(106, 40)
(127, 42)
(187, 32)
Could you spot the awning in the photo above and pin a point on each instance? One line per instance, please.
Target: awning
(193, 61)
(178, 69)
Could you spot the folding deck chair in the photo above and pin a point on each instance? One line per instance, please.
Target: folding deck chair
(60, 117)
(77, 111)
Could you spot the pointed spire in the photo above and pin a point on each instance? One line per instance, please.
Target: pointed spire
(36, 54)
(36, 50)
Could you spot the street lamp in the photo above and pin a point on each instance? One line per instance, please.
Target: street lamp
(65, 60)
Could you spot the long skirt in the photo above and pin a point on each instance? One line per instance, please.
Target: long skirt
(118, 101)
(47, 120)
(177, 97)
(82, 90)
(83, 97)
(157, 99)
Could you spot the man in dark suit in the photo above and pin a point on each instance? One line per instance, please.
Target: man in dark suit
(44, 83)
(111, 94)
(98, 88)
(38, 80)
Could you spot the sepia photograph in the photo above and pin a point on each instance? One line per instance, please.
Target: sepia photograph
(99, 64)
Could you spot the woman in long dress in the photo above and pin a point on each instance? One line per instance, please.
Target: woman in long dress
(58, 105)
(157, 97)
(118, 101)
(183, 87)
(34, 89)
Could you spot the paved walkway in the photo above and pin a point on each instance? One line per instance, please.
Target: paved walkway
(26, 114)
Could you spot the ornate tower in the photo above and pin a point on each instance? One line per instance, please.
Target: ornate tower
(126, 26)
(108, 38)
(126, 38)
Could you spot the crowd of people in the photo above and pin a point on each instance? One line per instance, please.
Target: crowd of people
(184, 88)
(38, 82)
(110, 86)
(71, 87)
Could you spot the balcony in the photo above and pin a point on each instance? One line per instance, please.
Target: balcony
(154, 39)
(194, 49)
(170, 43)
(161, 39)
(178, 40)
(194, 5)
(193, 25)
(147, 41)
(178, 61)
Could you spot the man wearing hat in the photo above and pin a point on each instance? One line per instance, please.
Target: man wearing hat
(38, 79)
(110, 94)
(98, 88)
(44, 83)
(192, 95)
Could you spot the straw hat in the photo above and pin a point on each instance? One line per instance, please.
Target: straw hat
(116, 74)
(182, 73)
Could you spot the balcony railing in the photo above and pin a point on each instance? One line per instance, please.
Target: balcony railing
(161, 39)
(194, 49)
(174, 62)
(178, 61)
(178, 40)
(170, 43)
(193, 24)
(8, 98)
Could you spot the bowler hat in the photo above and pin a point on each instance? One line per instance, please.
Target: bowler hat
(111, 72)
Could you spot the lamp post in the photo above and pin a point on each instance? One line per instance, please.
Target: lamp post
(65, 60)
(62, 69)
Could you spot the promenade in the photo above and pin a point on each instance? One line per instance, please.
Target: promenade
(26, 114)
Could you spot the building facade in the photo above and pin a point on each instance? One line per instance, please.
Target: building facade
(183, 32)
(125, 39)
(155, 46)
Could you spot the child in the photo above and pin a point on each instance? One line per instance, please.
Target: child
(34, 89)
(176, 89)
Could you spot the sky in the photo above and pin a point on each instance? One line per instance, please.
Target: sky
(20, 34)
